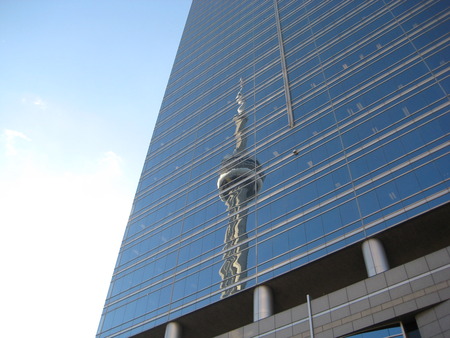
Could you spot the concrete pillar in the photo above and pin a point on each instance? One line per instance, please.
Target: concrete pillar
(374, 257)
(173, 330)
(262, 303)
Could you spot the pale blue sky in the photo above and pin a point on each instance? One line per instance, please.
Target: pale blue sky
(81, 82)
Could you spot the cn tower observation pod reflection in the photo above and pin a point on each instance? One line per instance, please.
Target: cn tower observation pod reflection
(240, 180)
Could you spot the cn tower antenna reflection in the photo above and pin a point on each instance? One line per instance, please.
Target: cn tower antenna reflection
(239, 182)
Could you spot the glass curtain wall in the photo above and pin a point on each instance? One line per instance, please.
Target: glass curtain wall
(346, 134)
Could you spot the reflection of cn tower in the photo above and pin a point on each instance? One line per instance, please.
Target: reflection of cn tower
(238, 183)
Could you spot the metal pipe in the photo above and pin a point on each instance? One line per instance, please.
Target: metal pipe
(311, 327)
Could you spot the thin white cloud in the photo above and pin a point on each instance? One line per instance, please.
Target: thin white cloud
(11, 137)
(40, 103)
(111, 164)
(35, 100)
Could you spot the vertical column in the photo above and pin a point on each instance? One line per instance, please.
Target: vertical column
(262, 303)
(374, 257)
(173, 330)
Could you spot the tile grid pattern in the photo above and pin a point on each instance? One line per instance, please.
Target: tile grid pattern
(405, 289)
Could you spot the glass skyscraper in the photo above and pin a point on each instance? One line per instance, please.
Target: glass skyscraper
(297, 143)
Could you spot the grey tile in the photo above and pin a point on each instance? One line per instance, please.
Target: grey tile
(266, 324)
(441, 276)
(300, 328)
(270, 335)
(438, 259)
(284, 333)
(416, 267)
(356, 290)
(343, 329)
(442, 309)
(427, 300)
(299, 312)
(338, 297)
(444, 323)
(237, 333)
(283, 318)
(376, 283)
(363, 323)
(320, 304)
(430, 330)
(225, 335)
(251, 330)
(396, 275)
(405, 308)
(322, 320)
(421, 283)
(444, 294)
(383, 315)
(379, 299)
(400, 291)
(324, 334)
(359, 306)
(426, 317)
(340, 313)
